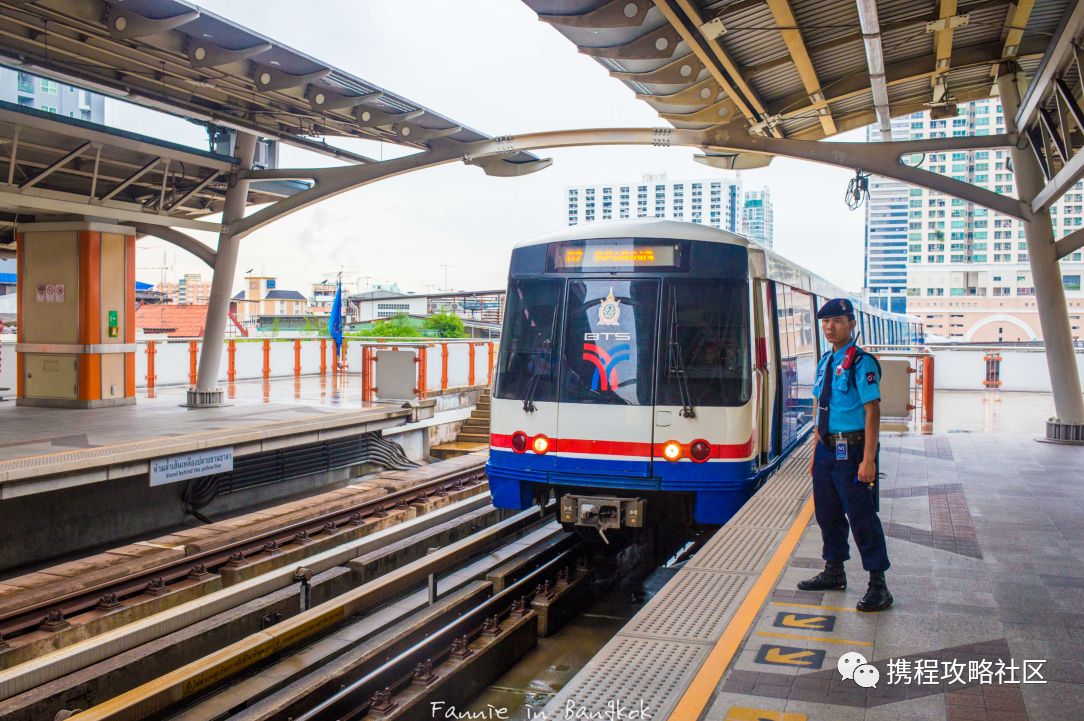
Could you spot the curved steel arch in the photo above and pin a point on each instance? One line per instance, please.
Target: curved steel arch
(876, 158)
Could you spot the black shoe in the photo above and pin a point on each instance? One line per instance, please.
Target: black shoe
(877, 597)
(832, 578)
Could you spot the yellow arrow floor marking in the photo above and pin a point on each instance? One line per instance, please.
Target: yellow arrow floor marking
(743, 713)
(813, 622)
(794, 658)
(810, 605)
(820, 639)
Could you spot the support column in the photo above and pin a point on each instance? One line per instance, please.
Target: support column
(1068, 425)
(206, 392)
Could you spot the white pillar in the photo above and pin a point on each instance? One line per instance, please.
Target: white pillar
(207, 392)
(1046, 272)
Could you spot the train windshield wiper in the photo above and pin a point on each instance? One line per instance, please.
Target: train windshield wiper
(543, 366)
(676, 362)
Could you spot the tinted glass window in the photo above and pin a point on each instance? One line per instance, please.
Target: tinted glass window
(609, 342)
(528, 359)
(706, 335)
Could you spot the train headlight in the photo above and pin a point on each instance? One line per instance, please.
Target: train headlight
(671, 451)
(540, 445)
(699, 451)
(519, 442)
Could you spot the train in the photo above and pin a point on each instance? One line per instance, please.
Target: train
(655, 372)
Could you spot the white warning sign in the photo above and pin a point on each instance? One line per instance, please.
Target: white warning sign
(190, 465)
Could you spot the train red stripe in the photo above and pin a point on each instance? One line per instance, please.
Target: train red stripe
(625, 448)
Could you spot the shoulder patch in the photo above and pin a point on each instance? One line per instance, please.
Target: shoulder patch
(871, 378)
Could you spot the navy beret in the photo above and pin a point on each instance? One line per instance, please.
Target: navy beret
(836, 306)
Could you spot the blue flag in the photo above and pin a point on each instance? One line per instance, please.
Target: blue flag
(335, 320)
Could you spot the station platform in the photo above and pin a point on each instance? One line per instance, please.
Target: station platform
(61, 470)
(984, 531)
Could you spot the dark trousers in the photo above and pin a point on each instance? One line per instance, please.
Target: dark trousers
(840, 503)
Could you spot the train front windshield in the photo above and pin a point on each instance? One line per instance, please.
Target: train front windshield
(653, 334)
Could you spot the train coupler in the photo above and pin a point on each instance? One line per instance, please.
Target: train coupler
(602, 512)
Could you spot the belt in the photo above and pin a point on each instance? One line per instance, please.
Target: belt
(851, 437)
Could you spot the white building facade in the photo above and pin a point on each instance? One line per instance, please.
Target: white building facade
(886, 233)
(711, 201)
(968, 275)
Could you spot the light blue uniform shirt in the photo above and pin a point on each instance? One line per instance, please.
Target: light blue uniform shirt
(846, 409)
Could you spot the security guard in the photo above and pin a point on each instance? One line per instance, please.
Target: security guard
(844, 466)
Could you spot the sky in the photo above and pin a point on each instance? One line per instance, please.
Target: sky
(493, 66)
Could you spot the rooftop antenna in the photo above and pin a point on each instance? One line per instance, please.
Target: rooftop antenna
(446, 265)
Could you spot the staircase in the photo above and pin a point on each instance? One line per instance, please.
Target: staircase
(473, 436)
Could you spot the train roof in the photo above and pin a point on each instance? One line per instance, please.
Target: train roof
(763, 262)
(638, 227)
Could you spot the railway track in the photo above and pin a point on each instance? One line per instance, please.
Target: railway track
(52, 613)
(472, 593)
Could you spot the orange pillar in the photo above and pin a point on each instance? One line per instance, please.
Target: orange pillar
(266, 358)
(297, 357)
(90, 314)
(470, 371)
(193, 354)
(129, 314)
(342, 356)
(323, 356)
(231, 360)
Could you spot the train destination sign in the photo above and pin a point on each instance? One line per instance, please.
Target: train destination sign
(574, 257)
(191, 465)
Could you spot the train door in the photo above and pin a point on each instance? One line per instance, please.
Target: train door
(766, 372)
(605, 417)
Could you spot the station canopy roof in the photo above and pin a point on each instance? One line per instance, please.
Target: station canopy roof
(181, 59)
(805, 69)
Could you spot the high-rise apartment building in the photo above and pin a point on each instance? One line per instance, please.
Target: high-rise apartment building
(22, 88)
(758, 222)
(886, 232)
(968, 276)
(711, 201)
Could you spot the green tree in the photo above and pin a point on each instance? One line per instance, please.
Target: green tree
(275, 326)
(447, 325)
(398, 326)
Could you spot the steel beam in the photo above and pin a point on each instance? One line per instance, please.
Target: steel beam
(64, 160)
(68, 204)
(1060, 183)
(198, 187)
(1069, 244)
(686, 20)
(877, 158)
(131, 179)
(1045, 270)
(871, 36)
(179, 239)
(783, 15)
(1060, 49)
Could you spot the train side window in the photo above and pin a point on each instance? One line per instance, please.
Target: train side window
(705, 335)
(528, 352)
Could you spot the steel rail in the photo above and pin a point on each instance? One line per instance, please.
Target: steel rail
(29, 618)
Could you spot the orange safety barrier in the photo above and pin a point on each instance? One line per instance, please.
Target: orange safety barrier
(231, 360)
(420, 359)
(927, 388)
(266, 358)
(323, 356)
(367, 361)
(297, 356)
(993, 370)
(342, 356)
(444, 366)
(151, 350)
(489, 373)
(193, 354)
(470, 373)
